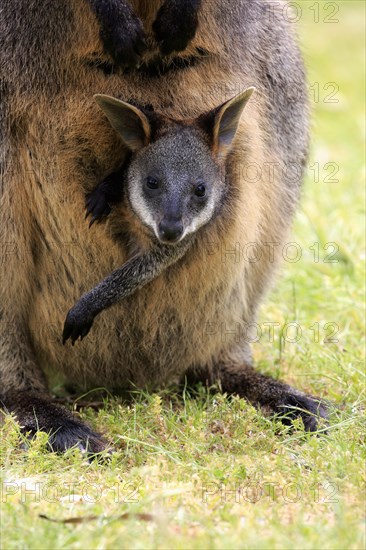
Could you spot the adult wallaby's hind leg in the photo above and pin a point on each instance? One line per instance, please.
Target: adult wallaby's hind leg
(23, 388)
(176, 24)
(273, 395)
(35, 412)
(122, 31)
(23, 392)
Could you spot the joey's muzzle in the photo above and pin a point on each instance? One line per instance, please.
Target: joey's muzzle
(170, 231)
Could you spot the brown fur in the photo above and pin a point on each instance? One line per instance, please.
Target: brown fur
(59, 145)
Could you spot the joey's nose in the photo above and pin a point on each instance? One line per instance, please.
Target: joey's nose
(170, 231)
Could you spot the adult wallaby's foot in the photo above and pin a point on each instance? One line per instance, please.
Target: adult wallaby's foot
(100, 201)
(122, 32)
(310, 409)
(273, 395)
(35, 413)
(176, 24)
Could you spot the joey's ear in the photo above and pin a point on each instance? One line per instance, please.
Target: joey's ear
(222, 123)
(129, 121)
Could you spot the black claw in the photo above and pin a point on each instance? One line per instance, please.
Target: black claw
(92, 221)
(67, 332)
(85, 332)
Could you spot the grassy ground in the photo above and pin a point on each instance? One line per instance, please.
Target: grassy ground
(213, 472)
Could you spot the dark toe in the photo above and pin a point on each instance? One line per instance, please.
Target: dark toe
(74, 433)
(311, 410)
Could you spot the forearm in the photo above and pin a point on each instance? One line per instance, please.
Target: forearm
(133, 275)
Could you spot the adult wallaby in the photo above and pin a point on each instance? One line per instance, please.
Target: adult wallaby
(124, 36)
(57, 146)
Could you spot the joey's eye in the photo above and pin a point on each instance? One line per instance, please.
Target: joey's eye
(200, 190)
(152, 183)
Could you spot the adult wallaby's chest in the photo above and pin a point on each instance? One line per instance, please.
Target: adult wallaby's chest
(150, 338)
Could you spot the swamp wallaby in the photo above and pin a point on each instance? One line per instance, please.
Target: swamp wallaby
(57, 146)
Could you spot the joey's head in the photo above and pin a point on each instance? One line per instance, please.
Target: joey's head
(176, 184)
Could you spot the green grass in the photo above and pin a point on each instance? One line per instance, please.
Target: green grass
(213, 472)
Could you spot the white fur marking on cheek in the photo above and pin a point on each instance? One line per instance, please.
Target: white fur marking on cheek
(140, 207)
(202, 219)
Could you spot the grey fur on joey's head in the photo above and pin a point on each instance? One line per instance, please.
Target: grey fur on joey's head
(179, 162)
(175, 186)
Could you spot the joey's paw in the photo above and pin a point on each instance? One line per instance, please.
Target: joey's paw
(312, 411)
(77, 325)
(125, 40)
(97, 206)
(175, 27)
